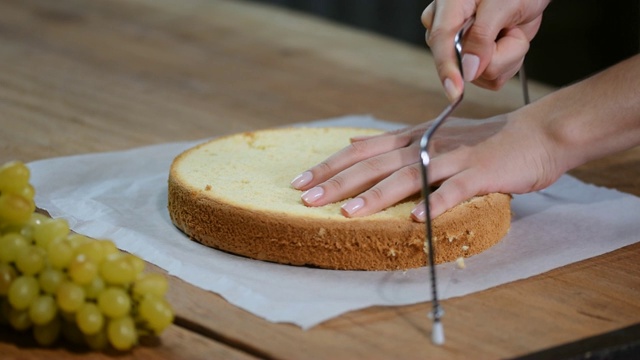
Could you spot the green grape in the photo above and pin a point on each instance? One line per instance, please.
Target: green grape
(49, 230)
(82, 270)
(70, 296)
(50, 279)
(60, 283)
(47, 334)
(94, 288)
(13, 176)
(59, 253)
(43, 309)
(136, 263)
(76, 240)
(122, 333)
(150, 283)
(26, 229)
(72, 333)
(114, 302)
(5, 309)
(89, 318)
(15, 209)
(97, 341)
(30, 261)
(117, 270)
(7, 275)
(108, 247)
(27, 232)
(12, 245)
(92, 250)
(23, 291)
(67, 316)
(27, 191)
(37, 219)
(19, 229)
(156, 312)
(19, 319)
(115, 255)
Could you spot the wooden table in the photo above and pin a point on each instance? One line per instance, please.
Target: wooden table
(86, 76)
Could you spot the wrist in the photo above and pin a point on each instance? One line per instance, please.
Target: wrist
(549, 139)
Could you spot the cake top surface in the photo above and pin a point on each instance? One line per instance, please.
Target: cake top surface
(253, 170)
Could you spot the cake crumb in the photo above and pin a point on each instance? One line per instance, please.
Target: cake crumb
(207, 188)
(392, 252)
(460, 263)
(465, 247)
(322, 232)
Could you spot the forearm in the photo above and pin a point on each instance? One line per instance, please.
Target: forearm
(592, 118)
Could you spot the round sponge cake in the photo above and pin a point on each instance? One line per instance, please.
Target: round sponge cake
(233, 194)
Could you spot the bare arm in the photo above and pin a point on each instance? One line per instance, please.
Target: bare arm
(527, 150)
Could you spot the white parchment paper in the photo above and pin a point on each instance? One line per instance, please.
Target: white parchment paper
(123, 196)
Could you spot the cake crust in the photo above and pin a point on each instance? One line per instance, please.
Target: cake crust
(390, 241)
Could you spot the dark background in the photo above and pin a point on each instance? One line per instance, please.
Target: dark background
(577, 37)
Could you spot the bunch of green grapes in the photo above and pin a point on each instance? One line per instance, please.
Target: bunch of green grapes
(58, 284)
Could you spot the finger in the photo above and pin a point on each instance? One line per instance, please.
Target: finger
(448, 164)
(348, 156)
(360, 177)
(363, 137)
(448, 19)
(454, 191)
(387, 133)
(398, 186)
(427, 17)
(479, 42)
(481, 45)
(419, 213)
(510, 51)
(442, 167)
(491, 82)
(530, 29)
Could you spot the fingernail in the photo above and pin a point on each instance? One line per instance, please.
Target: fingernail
(450, 89)
(470, 64)
(359, 138)
(419, 212)
(312, 195)
(302, 179)
(352, 206)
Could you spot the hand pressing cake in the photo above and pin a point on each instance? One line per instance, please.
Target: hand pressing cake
(233, 194)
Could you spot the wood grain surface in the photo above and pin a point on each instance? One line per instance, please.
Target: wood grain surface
(88, 76)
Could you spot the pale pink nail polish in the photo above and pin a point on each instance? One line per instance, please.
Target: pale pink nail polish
(419, 212)
(359, 138)
(352, 206)
(470, 64)
(302, 179)
(312, 195)
(450, 89)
